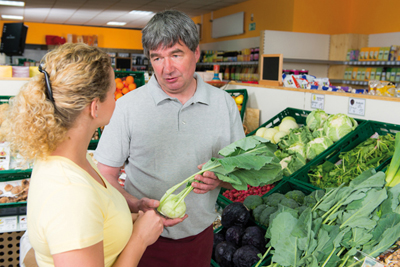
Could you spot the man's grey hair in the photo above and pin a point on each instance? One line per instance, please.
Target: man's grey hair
(167, 28)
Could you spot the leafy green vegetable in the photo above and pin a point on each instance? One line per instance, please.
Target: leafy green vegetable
(338, 125)
(250, 160)
(317, 146)
(393, 173)
(369, 154)
(316, 119)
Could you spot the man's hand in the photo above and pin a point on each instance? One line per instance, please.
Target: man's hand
(207, 182)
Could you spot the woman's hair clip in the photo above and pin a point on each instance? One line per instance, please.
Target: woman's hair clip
(48, 86)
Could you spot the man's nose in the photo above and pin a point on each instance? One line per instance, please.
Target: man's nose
(168, 65)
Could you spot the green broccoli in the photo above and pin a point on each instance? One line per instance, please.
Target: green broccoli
(296, 195)
(301, 209)
(264, 217)
(290, 203)
(258, 210)
(252, 201)
(313, 198)
(273, 199)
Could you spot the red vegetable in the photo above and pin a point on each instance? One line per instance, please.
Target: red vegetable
(240, 195)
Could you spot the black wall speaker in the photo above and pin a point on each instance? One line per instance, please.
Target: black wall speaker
(13, 39)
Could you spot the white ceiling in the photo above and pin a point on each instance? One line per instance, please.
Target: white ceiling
(99, 12)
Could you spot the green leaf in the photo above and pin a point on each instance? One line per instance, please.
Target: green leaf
(286, 251)
(246, 145)
(387, 239)
(392, 202)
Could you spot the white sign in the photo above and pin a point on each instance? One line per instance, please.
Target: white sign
(356, 106)
(8, 223)
(23, 224)
(317, 101)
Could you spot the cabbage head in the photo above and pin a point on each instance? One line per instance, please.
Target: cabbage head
(297, 148)
(317, 146)
(292, 163)
(316, 119)
(318, 133)
(338, 125)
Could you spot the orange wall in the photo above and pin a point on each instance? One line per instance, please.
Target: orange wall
(310, 16)
(107, 37)
(267, 14)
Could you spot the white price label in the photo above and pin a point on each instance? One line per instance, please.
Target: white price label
(8, 223)
(357, 106)
(369, 262)
(23, 224)
(317, 101)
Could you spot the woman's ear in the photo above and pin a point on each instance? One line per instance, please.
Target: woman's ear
(94, 108)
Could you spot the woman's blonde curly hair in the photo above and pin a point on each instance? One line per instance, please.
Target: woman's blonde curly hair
(78, 75)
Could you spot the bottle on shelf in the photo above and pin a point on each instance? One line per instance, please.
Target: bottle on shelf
(238, 71)
(227, 73)
(232, 73)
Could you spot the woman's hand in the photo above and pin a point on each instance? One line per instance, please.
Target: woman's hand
(209, 181)
(147, 226)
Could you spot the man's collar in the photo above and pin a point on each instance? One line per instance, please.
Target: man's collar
(200, 96)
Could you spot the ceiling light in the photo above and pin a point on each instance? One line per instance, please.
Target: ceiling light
(12, 17)
(116, 23)
(12, 3)
(142, 13)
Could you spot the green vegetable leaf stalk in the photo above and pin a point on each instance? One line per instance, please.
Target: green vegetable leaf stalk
(248, 161)
(393, 173)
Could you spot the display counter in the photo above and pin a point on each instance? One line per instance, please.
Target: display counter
(271, 100)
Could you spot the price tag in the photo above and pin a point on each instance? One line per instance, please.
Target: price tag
(8, 224)
(23, 224)
(373, 63)
(357, 106)
(369, 262)
(364, 63)
(317, 101)
(369, 63)
(392, 62)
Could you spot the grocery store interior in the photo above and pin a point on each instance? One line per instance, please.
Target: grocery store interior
(296, 69)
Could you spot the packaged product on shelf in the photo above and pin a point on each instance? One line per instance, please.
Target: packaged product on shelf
(394, 52)
(4, 155)
(367, 74)
(14, 191)
(381, 88)
(17, 162)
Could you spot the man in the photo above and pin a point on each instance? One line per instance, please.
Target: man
(163, 132)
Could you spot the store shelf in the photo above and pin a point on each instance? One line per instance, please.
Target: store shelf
(372, 63)
(228, 63)
(313, 61)
(340, 81)
(13, 224)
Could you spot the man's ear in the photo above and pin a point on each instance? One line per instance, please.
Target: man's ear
(197, 53)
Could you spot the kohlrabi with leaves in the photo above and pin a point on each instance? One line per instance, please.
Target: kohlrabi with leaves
(248, 161)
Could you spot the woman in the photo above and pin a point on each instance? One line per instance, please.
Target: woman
(75, 217)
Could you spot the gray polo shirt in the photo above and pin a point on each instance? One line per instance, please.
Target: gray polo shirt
(162, 142)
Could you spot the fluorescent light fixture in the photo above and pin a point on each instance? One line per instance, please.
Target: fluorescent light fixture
(116, 23)
(141, 13)
(12, 17)
(12, 3)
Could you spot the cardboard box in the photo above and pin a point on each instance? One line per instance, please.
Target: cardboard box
(397, 78)
(386, 51)
(373, 53)
(380, 54)
(354, 73)
(362, 76)
(367, 74)
(378, 74)
(372, 74)
(393, 75)
(394, 52)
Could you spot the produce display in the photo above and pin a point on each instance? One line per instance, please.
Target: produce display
(238, 100)
(393, 172)
(124, 86)
(299, 145)
(239, 241)
(239, 195)
(369, 154)
(248, 161)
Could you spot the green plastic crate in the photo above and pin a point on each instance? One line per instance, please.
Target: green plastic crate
(300, 116)
(137, 75)
(93, 143)
(290, 185)
(4, 99)
(359, 135)
(236, 92)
